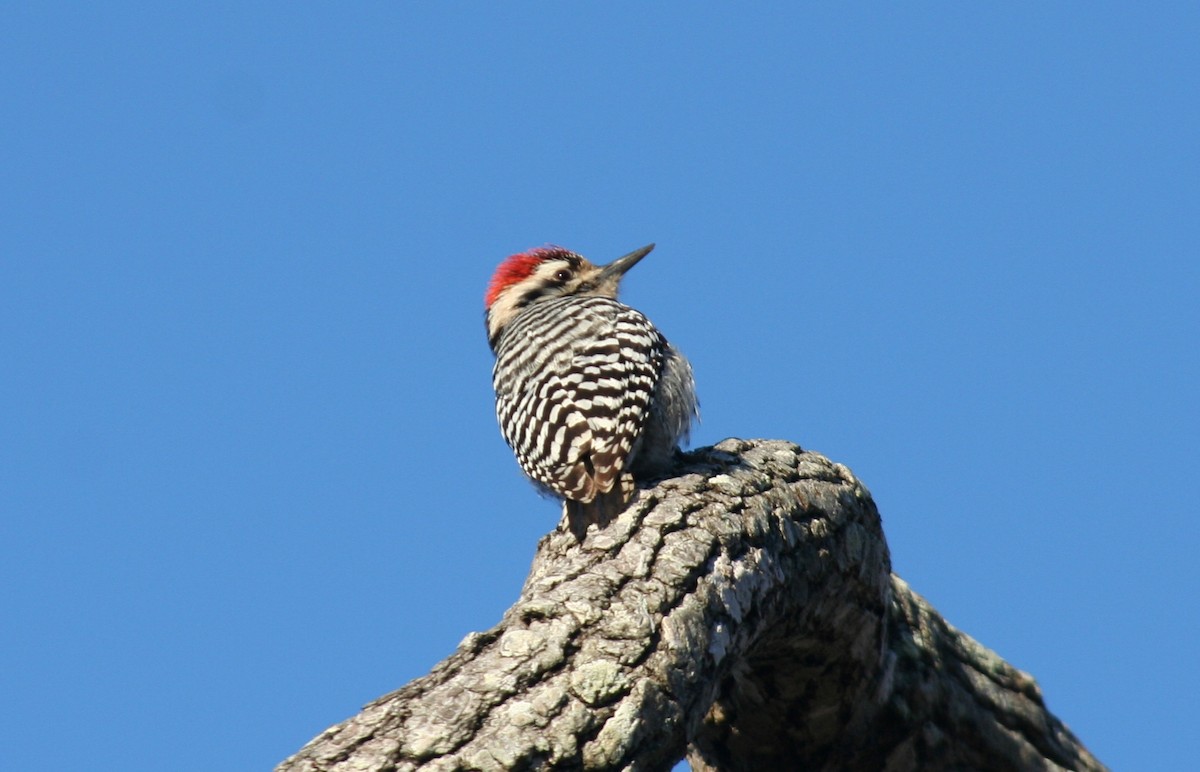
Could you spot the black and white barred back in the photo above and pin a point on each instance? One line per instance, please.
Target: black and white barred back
(574, 379)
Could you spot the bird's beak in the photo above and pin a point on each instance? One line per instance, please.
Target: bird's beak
(617, 268)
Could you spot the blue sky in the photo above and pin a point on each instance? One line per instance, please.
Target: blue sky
(250, 476)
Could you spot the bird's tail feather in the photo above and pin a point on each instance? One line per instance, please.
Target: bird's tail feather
(601, 510)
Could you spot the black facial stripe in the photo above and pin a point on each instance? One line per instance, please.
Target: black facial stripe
(533, 293)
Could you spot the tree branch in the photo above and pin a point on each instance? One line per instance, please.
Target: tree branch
(742, 612)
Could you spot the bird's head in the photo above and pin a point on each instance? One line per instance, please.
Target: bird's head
(545, 273)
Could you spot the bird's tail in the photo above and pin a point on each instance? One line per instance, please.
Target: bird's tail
(602, 509)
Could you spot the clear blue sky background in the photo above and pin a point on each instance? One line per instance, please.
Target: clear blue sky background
(250, 476)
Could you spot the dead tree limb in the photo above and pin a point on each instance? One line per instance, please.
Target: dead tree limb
(742, 613)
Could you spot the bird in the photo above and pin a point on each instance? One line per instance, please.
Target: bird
(590, 395)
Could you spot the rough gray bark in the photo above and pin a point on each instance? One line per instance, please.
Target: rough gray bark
(742, 612)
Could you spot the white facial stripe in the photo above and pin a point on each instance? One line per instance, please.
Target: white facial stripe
(546, 270)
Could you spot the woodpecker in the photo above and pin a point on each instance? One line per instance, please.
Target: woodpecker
(589, 394)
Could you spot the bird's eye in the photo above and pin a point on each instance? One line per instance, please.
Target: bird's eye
(562, 275)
